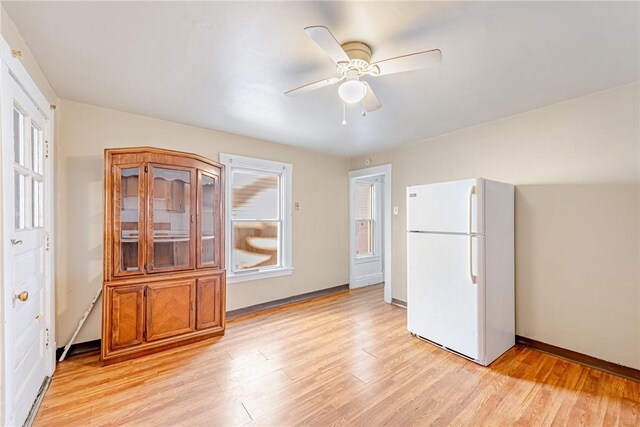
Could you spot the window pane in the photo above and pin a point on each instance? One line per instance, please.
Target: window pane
(207, 220)
(364, 200)
(171, 217)
(255, 196)
(38, 203)
(20, 200)
(37, 148)
(255, 245)
(19, 148)
(364, 237)
(129, 214)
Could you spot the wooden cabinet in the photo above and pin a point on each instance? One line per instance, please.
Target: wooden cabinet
(164, 276)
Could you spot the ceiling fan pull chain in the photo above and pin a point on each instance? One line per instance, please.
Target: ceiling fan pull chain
(344, 113)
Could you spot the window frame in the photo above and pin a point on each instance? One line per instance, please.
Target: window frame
(284, 171)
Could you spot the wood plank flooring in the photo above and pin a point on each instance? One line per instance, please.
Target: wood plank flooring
(341, 359)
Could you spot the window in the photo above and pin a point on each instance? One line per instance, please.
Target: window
(258, 218)
(364, 194)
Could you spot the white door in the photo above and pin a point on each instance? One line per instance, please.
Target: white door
(25, 175)
(442, 300)
(445, 207)
(367, 257)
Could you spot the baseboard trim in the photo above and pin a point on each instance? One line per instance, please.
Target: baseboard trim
(284, 301)
(580, 358)
(79, 348)
(399, 302)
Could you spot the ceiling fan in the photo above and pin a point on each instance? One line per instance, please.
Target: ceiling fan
(353, 60)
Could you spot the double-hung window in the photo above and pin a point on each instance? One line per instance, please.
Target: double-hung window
(258, 218)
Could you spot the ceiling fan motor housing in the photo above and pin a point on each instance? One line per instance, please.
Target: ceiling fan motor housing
(360, 55)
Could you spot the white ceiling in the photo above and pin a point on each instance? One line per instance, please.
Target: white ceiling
(226, 65)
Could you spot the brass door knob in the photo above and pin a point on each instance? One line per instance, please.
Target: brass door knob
(23, 296)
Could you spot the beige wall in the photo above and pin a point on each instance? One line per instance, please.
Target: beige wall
(576, 165)
(14, 39)
(320, 248)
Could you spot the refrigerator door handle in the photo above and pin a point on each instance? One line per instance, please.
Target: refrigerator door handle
(472, 191)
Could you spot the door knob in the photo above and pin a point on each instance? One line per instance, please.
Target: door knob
(22, 296)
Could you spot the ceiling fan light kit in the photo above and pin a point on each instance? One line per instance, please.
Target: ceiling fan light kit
(353, 60)
(352, 90)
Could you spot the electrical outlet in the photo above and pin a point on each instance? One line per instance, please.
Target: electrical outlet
(395, 210)
(297, 206)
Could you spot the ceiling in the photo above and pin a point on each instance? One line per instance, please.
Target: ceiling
(226, 65)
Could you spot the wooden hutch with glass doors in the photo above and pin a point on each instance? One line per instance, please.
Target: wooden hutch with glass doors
(164, 275)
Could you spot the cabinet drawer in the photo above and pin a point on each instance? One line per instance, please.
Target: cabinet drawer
(170, 309)
(127, 315)
(210, 302)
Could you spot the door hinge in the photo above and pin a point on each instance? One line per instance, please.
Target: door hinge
(47, 338)
(146, 168)
(46, 148)
(145, 292)
(47, 243)
(144, 334)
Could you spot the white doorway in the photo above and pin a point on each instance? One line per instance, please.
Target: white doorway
(370, 228)
(28, 353)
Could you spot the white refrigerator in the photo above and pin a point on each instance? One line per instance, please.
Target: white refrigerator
(460, 272)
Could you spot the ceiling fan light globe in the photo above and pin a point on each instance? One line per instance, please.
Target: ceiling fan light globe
(352, 91)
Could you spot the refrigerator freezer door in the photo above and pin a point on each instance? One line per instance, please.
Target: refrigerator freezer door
(442, 302)
(445, 207)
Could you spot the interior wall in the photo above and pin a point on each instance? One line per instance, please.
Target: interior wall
(576, 166)
(320, 184)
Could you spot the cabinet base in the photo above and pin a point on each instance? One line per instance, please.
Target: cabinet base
(121, 356)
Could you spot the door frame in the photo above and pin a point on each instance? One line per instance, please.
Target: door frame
(12, 68)
(385, 172)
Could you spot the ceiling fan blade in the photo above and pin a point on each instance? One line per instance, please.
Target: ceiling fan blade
(370, 102)
(414, 61)
(323, 38)
(313, 86)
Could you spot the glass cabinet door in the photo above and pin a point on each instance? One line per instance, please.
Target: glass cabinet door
(208, 216)
(129, 217)
(171, 235)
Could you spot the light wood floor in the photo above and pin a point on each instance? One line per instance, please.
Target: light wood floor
(340, 359)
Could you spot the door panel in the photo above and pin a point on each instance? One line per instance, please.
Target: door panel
(209, 245)
(127, 316)
(209, 310)
(170, 309)
(25, 175)
(442, 302)
(443, 207)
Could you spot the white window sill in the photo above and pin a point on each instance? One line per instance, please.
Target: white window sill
(259, 275)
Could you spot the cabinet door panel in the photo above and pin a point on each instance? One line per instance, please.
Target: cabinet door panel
(210, 302)
(171, 230)
(129, 217)
(209, 231)
(170, 309)
(127, 316)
